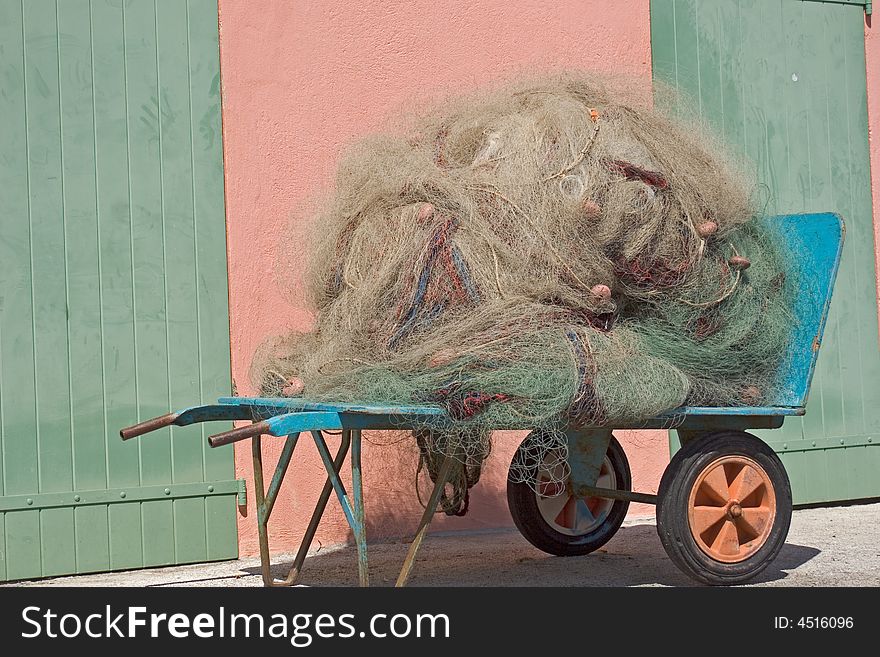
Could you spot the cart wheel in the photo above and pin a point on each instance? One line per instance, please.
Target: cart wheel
(724, 507)
(555, 521)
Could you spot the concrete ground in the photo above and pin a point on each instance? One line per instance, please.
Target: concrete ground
(826, 547)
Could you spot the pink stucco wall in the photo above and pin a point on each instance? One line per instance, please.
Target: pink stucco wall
(302, 79)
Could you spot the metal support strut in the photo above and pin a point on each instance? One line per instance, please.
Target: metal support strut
(352, 507)
(430, 509)
(266, 502)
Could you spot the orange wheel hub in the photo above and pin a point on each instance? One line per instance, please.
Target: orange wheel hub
(731, 508)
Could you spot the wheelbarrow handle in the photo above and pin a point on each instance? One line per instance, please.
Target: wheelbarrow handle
(281, 425)
(148, 425)
(241, 433)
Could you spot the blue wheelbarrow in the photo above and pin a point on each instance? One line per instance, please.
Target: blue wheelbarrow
(724, 502)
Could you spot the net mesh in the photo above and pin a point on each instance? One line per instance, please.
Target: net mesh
(539, 255)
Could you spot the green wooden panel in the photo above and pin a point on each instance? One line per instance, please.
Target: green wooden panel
(58, 541)
(126, 536)
(23, 554)
(17, 385)
(113, 292)
(175, 156)
(158, 519)
(211, 278)
(47, 221)
(221, 534)
(784, 81)
(114, 239)
(148, 235)
(86, 366)
(2, 546)
(190, 535)
(92, 539)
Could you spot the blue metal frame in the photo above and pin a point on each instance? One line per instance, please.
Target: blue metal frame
(814, 243)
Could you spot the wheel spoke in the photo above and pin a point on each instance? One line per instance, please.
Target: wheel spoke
(754, 520)
(707, 517)
(583, 515)
(714, 486)
(727, 541)
(552, 506)
(568, 515)
(747, 482)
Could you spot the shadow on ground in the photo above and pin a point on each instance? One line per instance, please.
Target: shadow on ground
(634, 557)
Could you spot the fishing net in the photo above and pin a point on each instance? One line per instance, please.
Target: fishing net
(537, 256)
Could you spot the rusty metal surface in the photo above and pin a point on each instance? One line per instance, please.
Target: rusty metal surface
(147, 426)
(430, 509)
(240, 433)
(586, 452)
(613, 494)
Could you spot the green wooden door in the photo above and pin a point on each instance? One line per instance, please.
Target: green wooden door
(784, 80)
(113, 302)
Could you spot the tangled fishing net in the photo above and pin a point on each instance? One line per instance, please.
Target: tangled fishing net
(537, 256)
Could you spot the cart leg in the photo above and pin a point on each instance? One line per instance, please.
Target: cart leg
(262, 519)
(360, 529)
(318, 513)
(430, 508)
(354, 508)
(266, 501)
(280, 471)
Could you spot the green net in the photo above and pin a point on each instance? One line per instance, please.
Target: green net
(540, 255)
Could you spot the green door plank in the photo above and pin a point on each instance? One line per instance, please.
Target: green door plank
(47, 246)
(114, 245)
(58, 541)
(158, 519)
(76, 84)
(3, 547)
(222, 535)
(23, 555)
(113, 257)
(148, 250)
(862, 469)
(211, 275)
(92, 529)
(114, 236)
(847, 417)
(864, 322)
(126, 542)
(81, 222)
(175, 146)
(190, 535)
(18, 432)
(664, 63)
(784, 81)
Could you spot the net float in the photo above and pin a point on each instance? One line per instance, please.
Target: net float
(707, 229)
(591, 209)
(425, 213)
(294, 387)
(442, 357)
(751, 394)
(739, 263)
(600, 291)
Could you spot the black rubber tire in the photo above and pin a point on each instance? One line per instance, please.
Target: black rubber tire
(673, 499)
(523, 504)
